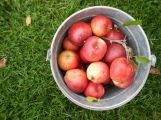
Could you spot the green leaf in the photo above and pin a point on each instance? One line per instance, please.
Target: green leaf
(142, 59)
(135, 22)
(91, 99)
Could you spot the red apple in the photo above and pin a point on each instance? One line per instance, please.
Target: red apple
(68, 60)
(121, 69)
(93, 50)
(68, 45)
(82, 56)
(115, 34)
(124, 84)
(94, 90)
(114, 51)
(101, 25)
(79, 32)
(98, 72)
(76, 80)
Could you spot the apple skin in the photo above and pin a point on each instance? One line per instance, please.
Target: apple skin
(93, 50)
(68, 60)
(115, 34)
(68, 45)
(121, 69)
(101, 25)
(82, 57)
(76, 80)
(98, 72)
(79, 32)
(94, 90)
(114, 51)
(124, 84)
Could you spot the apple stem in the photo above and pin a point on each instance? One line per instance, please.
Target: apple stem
(116, 41)
(129, 52)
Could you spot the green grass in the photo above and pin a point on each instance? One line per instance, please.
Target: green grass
(27, 88)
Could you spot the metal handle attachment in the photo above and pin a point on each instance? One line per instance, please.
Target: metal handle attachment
(153, 60)
(48, 56)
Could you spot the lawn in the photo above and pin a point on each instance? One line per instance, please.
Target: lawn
(27, 88)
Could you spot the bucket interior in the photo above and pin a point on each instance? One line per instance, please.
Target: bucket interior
(114, 96)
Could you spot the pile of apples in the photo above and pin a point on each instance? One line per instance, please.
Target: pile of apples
(90, 62)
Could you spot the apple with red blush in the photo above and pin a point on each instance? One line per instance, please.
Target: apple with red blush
(94, 90)
(79, 32)
(114, 51)
(68, 45)
(76, 80)
(115, 34)
(98, 72)
(101, 25)
(121, 69)
(93, 50)
(68, 60)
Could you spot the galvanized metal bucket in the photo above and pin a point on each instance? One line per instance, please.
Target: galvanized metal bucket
(137, 39)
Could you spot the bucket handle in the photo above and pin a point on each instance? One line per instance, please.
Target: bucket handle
(48, 56)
